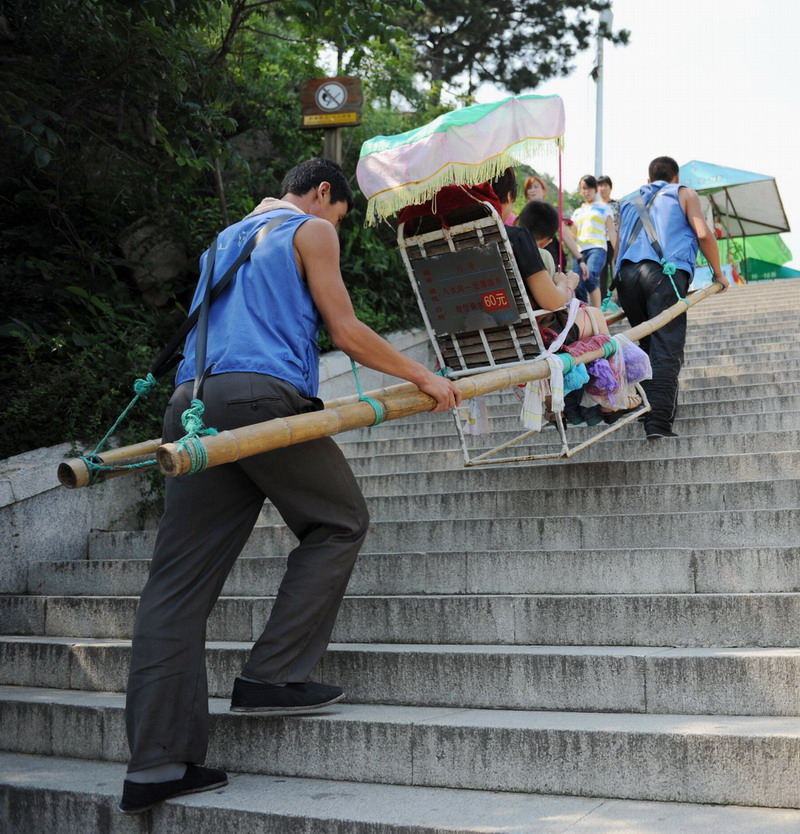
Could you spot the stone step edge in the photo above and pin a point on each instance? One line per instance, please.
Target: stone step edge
(445, 423)
(501, 469)
(730, 726)
(509, 402)
(529, 677)
(516, 518)
(761, 422)
(579, 493)
(585, 517)
(438, 596)
(451, 648)
(632, 679)
(636, 462)
(607, 442)
(385, 554)
(71, 788)
(550, 490)
(739, 653)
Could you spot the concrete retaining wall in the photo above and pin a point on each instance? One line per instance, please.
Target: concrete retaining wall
(42, 521)
(336, 375)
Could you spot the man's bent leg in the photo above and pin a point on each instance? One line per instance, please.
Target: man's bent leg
(666, 347)
(207, 520)
(318, 497)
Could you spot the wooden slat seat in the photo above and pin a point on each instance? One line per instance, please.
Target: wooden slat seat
(466, 230)
(476, 308)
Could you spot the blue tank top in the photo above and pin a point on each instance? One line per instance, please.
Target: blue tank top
(265, 321)
(677, 238)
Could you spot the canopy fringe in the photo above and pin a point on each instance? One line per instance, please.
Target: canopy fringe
(387, 203)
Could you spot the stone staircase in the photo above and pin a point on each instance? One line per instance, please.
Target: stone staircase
(607, 644)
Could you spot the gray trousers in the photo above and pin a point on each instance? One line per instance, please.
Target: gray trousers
(207, 520)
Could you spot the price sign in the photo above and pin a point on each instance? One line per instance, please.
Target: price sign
(466, 290)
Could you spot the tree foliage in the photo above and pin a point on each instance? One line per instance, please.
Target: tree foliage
(114, 114)
(515, 44)
(118, 115)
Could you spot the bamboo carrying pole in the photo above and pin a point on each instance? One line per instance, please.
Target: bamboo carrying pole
(75, 473)
(340, 415)
(228, 446)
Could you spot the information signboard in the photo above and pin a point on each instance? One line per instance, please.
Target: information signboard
(466, 290)
(332, 102)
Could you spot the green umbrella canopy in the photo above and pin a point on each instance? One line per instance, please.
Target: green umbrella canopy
(464, 147)
(768, 248)
(742, 203)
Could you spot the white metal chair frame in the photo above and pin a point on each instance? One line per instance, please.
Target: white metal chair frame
(523, 339)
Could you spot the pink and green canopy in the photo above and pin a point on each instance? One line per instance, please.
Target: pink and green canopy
(463, 147)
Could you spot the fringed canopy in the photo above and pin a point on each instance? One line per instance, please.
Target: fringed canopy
(463, 147)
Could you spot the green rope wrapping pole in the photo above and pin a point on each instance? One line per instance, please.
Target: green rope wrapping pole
(377, 407)
(669, 270)
(192, 422)
(567, 360)
(93, 461)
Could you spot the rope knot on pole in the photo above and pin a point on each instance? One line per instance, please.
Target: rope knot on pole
(195, 428)
(142, 387)
(669, 269)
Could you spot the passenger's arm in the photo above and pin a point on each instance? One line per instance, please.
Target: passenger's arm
(317, 249)
(551, 293)
(690, 203)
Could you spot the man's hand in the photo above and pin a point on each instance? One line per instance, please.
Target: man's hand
(722, 279)
(584, 270)
(446, 394)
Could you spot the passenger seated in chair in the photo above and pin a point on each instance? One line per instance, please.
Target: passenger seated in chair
(454, 204)
(541, 221)
(549, 291)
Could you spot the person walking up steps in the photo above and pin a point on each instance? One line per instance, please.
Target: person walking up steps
(644, 286)
(263, 363)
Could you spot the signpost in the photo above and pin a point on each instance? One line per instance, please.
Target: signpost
(330, 104)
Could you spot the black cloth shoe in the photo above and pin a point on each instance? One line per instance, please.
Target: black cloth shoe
(138, 797)
(654, 433)
(249, 696)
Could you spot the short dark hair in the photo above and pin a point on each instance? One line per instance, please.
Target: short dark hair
(505, 185)
(604, 180)
(309, 174)
(589, 180)
(539, 218)
(663, 168)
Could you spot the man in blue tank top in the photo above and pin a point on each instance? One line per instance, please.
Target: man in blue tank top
(645, 290)
(262, 360)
